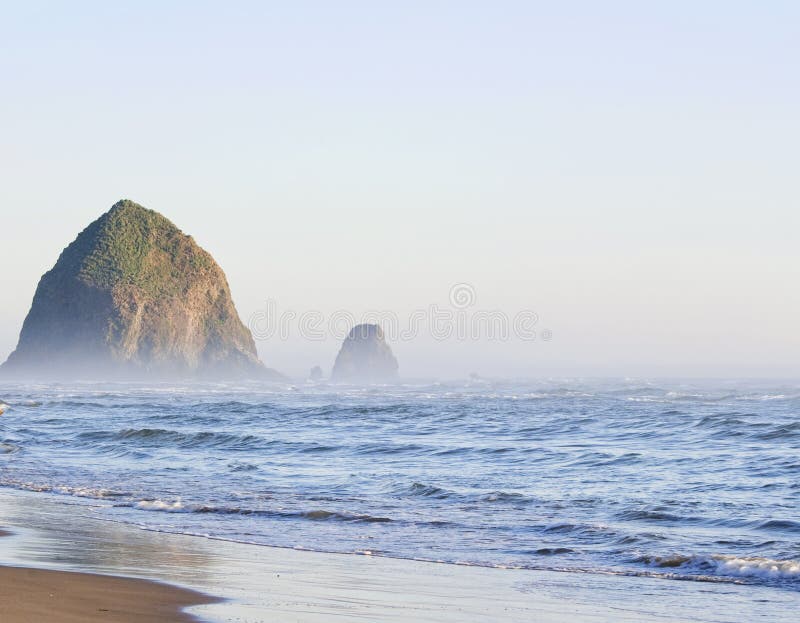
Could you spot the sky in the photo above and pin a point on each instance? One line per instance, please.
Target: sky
(626, 171)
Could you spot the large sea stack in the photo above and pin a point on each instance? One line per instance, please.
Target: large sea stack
(365, 357)
(134, 297)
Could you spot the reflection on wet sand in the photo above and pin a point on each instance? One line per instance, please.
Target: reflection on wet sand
(66, 536)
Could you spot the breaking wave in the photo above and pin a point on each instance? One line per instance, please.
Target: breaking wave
(728, 566)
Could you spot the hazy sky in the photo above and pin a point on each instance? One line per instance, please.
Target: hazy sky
(627, 170)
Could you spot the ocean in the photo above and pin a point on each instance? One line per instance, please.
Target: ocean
(683, 480)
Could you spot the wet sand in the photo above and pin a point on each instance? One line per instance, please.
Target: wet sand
(33, 595)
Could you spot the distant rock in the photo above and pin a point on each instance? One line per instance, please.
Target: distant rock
(315, 374)
(365, 357)
(134, 297)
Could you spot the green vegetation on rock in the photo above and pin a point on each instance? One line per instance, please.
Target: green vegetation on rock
(139, 247)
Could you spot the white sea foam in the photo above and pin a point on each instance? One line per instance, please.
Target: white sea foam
(159, 505)
(731, 566)
(763, 397)
(757, 567)
(83, 492)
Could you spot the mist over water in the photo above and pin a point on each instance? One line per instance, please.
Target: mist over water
(684, 480)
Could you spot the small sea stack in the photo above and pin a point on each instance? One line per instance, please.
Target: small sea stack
(365, 357)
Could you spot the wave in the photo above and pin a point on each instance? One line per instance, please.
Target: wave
(419, 489)
(728, 566)
(388, 448)
(94, 493)
(787, 431)
(8, 448)
(722, 420)
(766, 397)
(784, 525)
(178, 506)
(582, 531)
(553, 551)
(157, 437)
(651, 515)
(164, 437)
(506, 496)
(158, 505)
(242, 466)
(422, 490)
(604, 459)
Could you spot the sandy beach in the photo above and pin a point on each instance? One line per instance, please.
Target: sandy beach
(34, 595)
(31, 595)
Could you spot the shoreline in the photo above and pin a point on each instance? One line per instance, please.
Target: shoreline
(256, 583)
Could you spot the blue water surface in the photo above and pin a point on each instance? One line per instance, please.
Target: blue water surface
(688, 480)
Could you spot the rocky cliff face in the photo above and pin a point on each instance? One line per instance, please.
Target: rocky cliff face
(132, 297)
(365, 357)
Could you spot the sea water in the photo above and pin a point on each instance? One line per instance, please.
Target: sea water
(674, 479)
